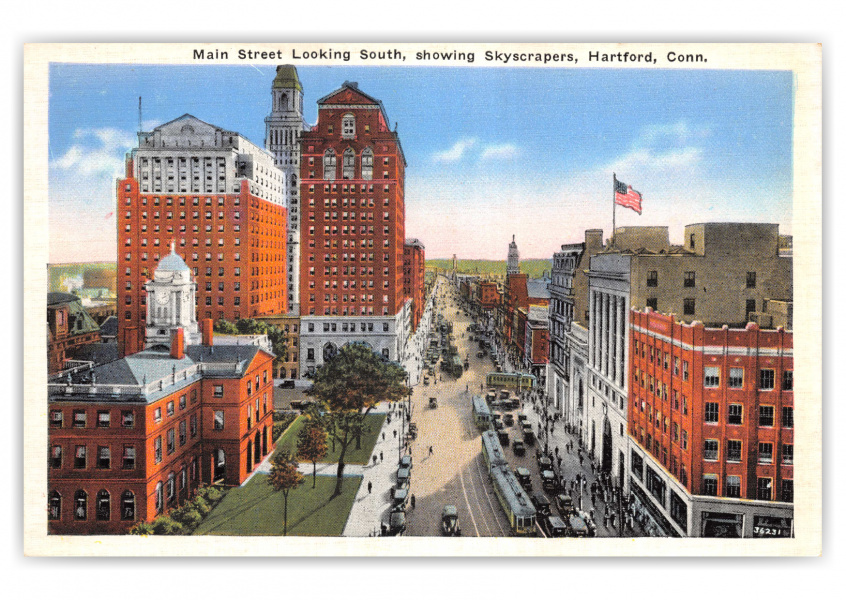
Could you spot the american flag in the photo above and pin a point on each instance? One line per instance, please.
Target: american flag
(624, 195)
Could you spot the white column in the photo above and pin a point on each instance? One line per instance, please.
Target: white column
(624, 337)
(606, 312)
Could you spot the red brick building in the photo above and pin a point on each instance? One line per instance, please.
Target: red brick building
(219, 198)
(132, 439)
(710, 416)
(489, 296)
(533, 340)
(352, 184)
(69, 328)
(414, 274)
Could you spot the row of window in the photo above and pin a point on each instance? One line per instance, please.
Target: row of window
(80, 418)
(183, 215)
(690, 279)
(170, 436)
(347, 188)
(195, 201)
(351, 257)
(734, 452)
(196, 257)
(763, 491)
(102, 504)
(102, 460)
(766, 378)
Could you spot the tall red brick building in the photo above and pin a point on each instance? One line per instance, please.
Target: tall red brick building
(710, 416)
(220, 199)
(352, 186)
(414, 274)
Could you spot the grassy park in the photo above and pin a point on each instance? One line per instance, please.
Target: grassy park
(255, 509)
(373, 425)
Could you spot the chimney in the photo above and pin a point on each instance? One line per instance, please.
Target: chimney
(177, 344)
(208, 332)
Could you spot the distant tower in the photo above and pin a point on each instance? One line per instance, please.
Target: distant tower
(454, 263)
(284, 127)
(513, 258)
(171, 302)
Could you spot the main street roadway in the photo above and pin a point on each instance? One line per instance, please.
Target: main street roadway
(454, 473)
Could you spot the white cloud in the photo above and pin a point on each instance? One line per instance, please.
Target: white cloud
(499, 151)
(455, 153)
(96, 152)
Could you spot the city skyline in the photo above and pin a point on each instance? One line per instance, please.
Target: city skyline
(703, 152)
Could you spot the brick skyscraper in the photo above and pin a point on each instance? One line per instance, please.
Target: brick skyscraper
(219, 198)
(352, 184)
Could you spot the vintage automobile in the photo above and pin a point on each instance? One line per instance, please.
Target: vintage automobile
(287, 384)
(403, 477)
(522, 418)
(549, 481)
(565, 504)
(480, 354)
(541, 502)
(425, 380)
(412, 431)
(524, 476)
(449, 521)
(433, 402)
(405, 462)
(554, 526)
(503, 437)
(396, 523)
(508, 419)
(528, 434)
(544, 462)
(577, 527)
(519, 447)
(400, 499)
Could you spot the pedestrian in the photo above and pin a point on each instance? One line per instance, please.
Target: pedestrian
(413, 501)
(605, 521)
(580, 460)
(395, 434)
(369, 486)
(381, 457)
(431, 451)
(383, 436)
(593, 498)
(556, 451)
(613, 519)
(559, 463)
(592, 513)
(375, 458)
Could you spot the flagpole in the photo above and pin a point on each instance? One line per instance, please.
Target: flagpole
(613, 208)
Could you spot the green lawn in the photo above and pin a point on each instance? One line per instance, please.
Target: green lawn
(287, 442)
(255, 509)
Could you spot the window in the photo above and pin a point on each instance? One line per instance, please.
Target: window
(765, 453)
(734, 448)
(735, 378)
(349, 164)
(767, 380)
(157, 415)
(690, 306)
(711, 450)
(765, 488)
(684, 371)
(348, 126)
(182, 433)
(750, 306)
(652, 279)
(128, 457)
(80, 505)
(80, 460)
(712, 377)
(690, 279)
(171, 487)
(766, 416)
(735, 416)
(218, 420)
(218, 391)
(787, 381)
(712, 412)
(733, 486)
(159, 498)
(55, 505)
(104, 505)
(127, 506)
(157, 449)
(104, 457)
(750, 279)
(56, 418)
(367, 164)
(193, 426)
(329, 165)
(171, 445)
(787, 454)
(127, 418)
(56, 457)
(787, 490)
(787, 416)
(709, 485)
(80, 418)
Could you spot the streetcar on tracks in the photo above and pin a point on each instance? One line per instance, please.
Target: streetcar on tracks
(519, 509)
(518, 381)
(492, 450)
(481, 413)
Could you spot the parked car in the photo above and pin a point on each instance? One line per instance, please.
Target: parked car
(528, 434)
(541, 502)
(400, 499)
(396, 523)
(565, 504)
(405, 462)
(544, 462)
(548, 481)
(301, 404)
(403, 477)
(503, 437)
(508, 419)
(577, 527)
(553, 526)
(287, 384)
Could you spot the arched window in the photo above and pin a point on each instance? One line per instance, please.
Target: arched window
(54, 504)
(104, 505)
(367, 164)
(329, 351)
(171, 487)
(349, 163)
(159, 498)
(329, 165)
(127, 506)
(283, 102)
(80, 505)
(348, 126)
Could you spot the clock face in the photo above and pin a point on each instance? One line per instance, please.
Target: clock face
(162, 297)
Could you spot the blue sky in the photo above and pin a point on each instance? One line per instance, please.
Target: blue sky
(491, 151)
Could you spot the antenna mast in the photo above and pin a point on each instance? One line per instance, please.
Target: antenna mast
(139, 116)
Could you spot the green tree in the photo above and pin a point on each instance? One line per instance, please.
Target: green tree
(279, 341)
(225, 327)
(250, 326)
(350, 385)
(311, 446)
(284, 477)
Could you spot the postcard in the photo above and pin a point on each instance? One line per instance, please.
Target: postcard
(344, 299)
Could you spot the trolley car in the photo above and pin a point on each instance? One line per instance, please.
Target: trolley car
(519, 509)
(481, 413)
(518, 381)
(492, 450)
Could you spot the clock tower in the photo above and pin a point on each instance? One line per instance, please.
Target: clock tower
(171, 302)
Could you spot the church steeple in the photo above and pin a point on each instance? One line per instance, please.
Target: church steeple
(513, 266)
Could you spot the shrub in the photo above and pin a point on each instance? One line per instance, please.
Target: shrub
(191, 518)
(213, 494)
(167, 526)
(201, 506)
(142, 528)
